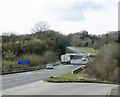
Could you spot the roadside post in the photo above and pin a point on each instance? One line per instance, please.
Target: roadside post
(83, 65)
(23, 62)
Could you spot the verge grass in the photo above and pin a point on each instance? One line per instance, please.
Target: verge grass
(68, 50)
(88, 50)
(69, 77)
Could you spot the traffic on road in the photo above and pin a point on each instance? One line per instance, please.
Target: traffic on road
(32, 81)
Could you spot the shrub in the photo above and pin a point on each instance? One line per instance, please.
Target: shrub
(103, 66)
(49, 57)
(35, 59)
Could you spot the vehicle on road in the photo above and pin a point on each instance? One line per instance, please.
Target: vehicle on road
(49, 66)
(84, 58)
(65, 59)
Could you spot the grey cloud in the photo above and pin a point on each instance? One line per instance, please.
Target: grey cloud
(85, 6)
(75, 11)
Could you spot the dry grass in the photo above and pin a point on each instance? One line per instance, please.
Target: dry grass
(35, 60)
(103, 66)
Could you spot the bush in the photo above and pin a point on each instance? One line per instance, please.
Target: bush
(35, 60)
(49, 57)
(103, 66)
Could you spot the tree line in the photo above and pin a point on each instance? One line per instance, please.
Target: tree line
(83, 39)
(44, 46)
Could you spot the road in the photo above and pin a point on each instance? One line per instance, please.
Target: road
(30, 83)
(45, 88)
(18, 79)
(78, 50)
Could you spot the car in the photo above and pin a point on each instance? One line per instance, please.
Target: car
(84, 59)
(49, 66)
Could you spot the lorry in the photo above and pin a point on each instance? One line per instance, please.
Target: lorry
(65, 59)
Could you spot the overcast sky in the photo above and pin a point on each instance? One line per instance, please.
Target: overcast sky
(65, 16)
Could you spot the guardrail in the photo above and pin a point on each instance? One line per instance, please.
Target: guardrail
(25, 68)
(75, 71)
(17, 69)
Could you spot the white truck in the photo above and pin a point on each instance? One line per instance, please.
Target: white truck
(65, 59)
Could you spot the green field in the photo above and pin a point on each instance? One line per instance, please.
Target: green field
(87, 50)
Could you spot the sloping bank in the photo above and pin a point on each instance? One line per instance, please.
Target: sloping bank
(77, 76)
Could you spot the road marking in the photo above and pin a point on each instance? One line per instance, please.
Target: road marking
(12, 80)
(6, 81)
(28, 72)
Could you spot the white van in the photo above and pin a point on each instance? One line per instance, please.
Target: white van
(65, 59)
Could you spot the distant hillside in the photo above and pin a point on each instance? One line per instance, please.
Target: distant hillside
(83, 39)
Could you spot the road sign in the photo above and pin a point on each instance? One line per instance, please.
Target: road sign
(20, 62)
(83, 65)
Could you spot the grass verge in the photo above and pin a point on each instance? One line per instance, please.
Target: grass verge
(69, 51)
(88, 50)
(68, 77)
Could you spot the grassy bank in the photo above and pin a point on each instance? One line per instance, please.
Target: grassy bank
(68, 77)
(87, 50)
(80, 76)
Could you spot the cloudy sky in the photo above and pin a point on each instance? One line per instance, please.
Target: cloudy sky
(65, 16)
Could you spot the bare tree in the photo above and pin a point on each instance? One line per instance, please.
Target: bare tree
(9, 33)
(41, 26)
